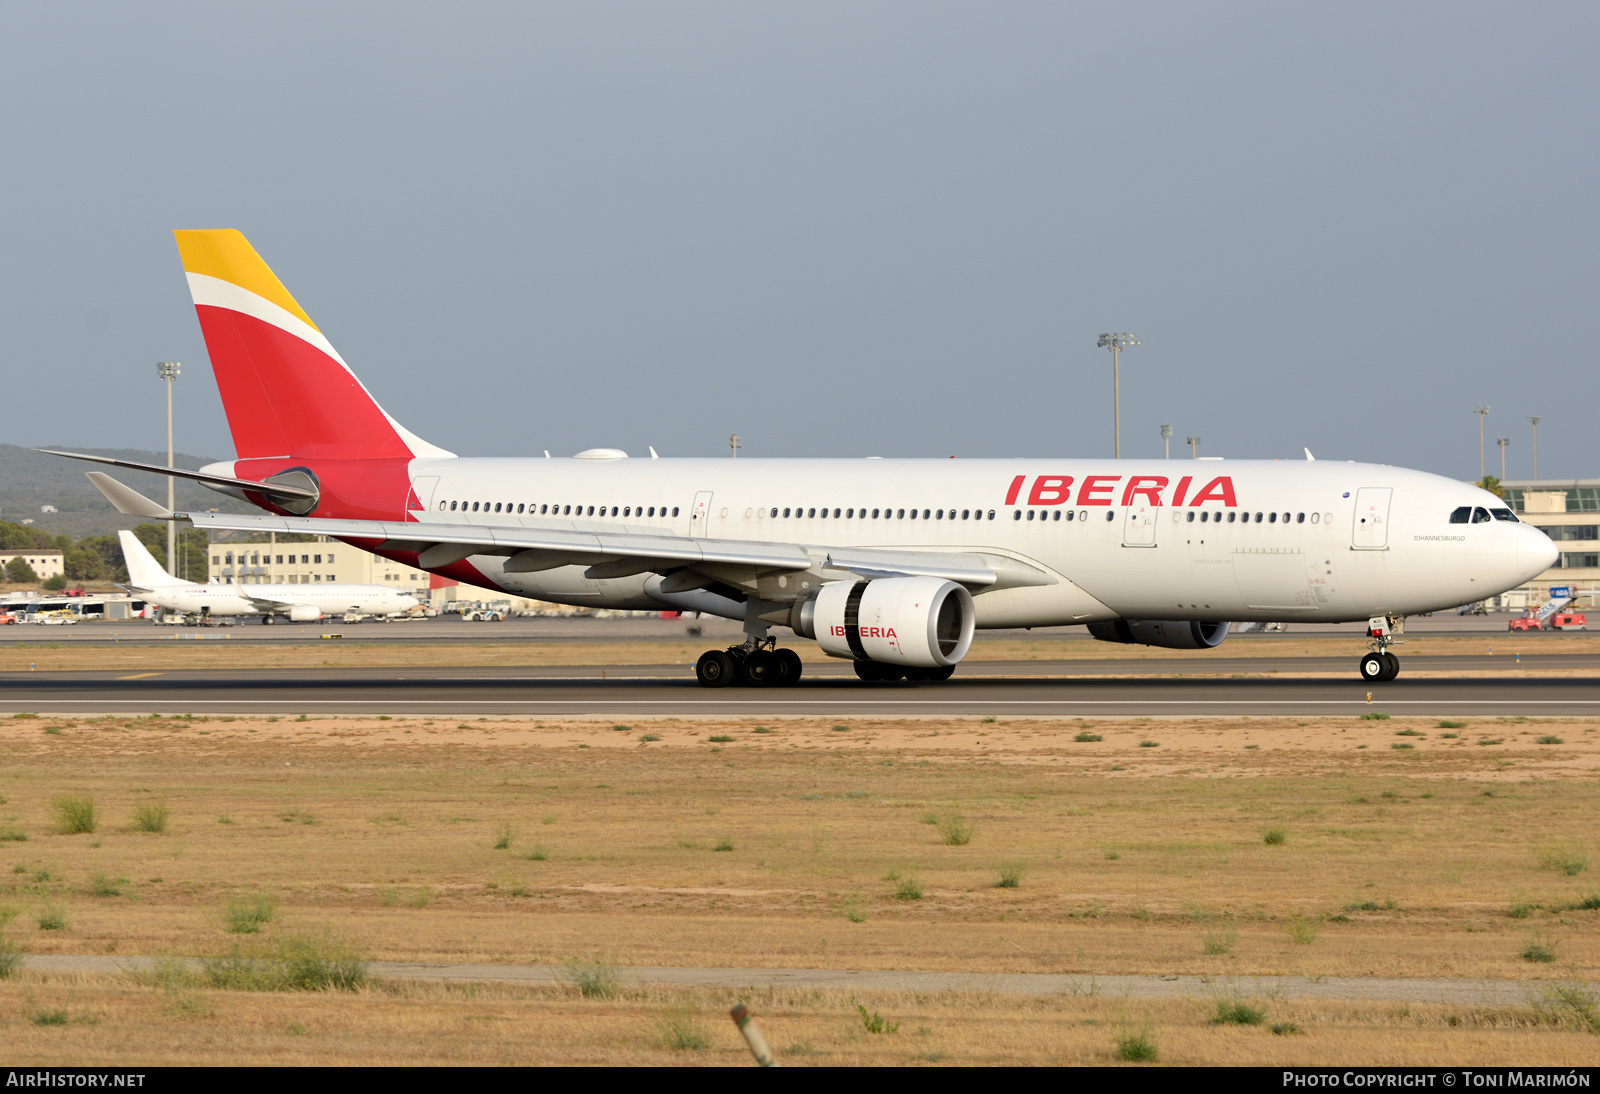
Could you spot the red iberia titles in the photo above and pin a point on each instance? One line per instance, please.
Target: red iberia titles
(864, 632)
(1137, 489)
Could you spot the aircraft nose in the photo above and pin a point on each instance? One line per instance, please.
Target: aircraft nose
(1535, 552)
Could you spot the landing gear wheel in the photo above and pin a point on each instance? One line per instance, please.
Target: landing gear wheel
(789, 667)
(1392, 666)
(931, 675)
(715, 669)
(1374, 668)
(267, 620)
(761, 668)
(876, 672)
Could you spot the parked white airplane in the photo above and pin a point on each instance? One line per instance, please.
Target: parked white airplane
(297, 603)
(889, 563)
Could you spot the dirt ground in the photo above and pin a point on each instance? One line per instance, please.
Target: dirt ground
(1222, 847)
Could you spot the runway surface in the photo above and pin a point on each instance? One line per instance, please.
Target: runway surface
(1473, 992)
(452, 630)
(1099, 688)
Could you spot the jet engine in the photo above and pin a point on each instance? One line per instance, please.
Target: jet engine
(304, 613)
(921, 622)
(1179, 634)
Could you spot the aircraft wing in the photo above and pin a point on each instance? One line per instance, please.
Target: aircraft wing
(270, 603)
(620, 552)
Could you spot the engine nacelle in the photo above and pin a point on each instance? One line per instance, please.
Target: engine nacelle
(921, 622)
(1172, 634)
(304, 613)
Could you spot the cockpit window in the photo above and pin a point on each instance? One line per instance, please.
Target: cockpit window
(1480, 515)
(1462, 515)
(1504, 514)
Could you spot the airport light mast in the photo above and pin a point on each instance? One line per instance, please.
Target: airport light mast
(1116, 343)
(168, 371)
(1503, 442)
(734, 442)
(1194, 447)
(1166, 439)
(1482, 412)
(1534, 421)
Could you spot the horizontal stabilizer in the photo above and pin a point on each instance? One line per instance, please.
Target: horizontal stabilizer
(271, 489)
(126, 499)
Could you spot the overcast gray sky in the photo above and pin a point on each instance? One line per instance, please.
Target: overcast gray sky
(837, 228)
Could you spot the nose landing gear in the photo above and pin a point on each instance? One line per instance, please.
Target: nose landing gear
(1380, 666)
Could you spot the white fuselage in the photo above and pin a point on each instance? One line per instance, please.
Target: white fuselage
(331, 599)
(1181, 539)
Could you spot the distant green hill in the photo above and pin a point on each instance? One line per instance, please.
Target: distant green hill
(29, 480)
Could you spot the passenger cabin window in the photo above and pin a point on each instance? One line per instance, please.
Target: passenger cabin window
(1480, 515)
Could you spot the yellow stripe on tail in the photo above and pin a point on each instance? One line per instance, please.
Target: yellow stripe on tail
(224, 253)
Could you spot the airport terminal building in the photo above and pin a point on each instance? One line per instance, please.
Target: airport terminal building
(309, 563)
(1568, 511)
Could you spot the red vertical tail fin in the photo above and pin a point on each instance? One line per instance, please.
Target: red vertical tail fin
(285, 389)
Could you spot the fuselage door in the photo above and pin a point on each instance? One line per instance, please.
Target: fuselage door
(1371, 532)
(700, 515)
(423, 487)
(1139, 527)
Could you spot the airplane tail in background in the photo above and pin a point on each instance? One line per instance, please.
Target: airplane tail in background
(144, 572)
(285, 389)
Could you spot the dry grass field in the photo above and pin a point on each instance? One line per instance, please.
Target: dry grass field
(1219, 847)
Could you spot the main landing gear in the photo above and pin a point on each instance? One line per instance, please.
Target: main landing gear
(758, 663)
(1380, 666)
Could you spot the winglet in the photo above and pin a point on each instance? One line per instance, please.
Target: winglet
(126, 499)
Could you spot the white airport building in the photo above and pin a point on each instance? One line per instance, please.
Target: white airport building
(329, 560)
(46, 564)
(1568, 511)
(307, 564)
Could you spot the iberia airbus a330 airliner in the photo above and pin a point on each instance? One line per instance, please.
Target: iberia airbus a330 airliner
(889, 563)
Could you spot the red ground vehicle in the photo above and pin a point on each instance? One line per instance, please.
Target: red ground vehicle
(1526, 623)
(1568, 621)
